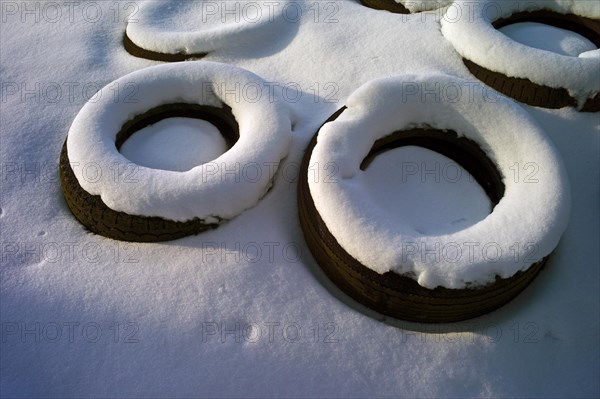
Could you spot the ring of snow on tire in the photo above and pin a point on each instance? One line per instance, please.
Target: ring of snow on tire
(121, 200)
(529, 75)
(388, 267)
(151, 33)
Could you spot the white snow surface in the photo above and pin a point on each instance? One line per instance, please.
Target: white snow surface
(550, 38)
(501, 241)
(468, 26)
(181, 319)
(219, 189)
(177, 144)
(435, 186)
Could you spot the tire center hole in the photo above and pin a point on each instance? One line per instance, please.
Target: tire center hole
(421, 188)
(549, 38)
(175, 144)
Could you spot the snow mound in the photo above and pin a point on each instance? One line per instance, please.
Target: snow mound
(525, 225)
(222, 188)
(177, 144)
(426, 179)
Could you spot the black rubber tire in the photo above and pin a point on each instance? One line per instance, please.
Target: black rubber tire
(386, 5)
(524, 90)
(401, 296)
(95, 215)
(140, 52)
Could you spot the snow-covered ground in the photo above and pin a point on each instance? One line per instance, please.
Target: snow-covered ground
(244, 310)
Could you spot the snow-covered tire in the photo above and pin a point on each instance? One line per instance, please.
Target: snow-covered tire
(129, 202)
(390, 293)
(156, 33)
(564, 82)
(100, 219)
(402, 289)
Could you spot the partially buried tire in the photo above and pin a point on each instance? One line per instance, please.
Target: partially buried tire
(381, 266)
(158, 205)
(405, 6)
(529, 75)
(173, 31)
(137, 51)
(385, 5)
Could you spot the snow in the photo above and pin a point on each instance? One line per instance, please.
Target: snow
(163, 302)
(221, 188)
(498, 52)
(549, 38)
(177, 144)
(435, 187)
(499, 245)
